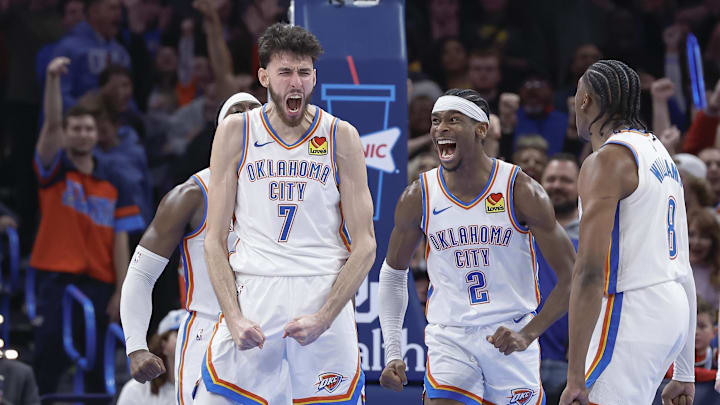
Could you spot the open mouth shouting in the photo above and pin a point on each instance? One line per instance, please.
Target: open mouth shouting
(293, 104)
(446, 149)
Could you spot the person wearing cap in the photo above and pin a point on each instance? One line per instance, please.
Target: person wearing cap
(161, 390)
(480, 216)
(183, 208)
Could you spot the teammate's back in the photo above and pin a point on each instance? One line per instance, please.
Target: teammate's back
(650, 238)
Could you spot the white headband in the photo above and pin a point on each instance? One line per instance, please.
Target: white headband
(446, 103)
(232, 100)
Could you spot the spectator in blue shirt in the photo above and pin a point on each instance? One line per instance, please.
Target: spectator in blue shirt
(560, 182)
(91, 47)
(537, 115)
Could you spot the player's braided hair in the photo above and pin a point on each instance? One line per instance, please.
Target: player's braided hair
(617, 87)
(281, 37)
(471, 95)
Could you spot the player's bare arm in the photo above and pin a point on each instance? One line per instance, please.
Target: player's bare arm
(606, 177)
(51, 134)
(181, 206)
(224, 160)
(357, 210)
(404, 239)
(535, 209)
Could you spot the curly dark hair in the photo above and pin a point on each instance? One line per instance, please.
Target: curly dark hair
(281, 37)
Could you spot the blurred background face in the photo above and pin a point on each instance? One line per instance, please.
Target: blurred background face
(705, 331)
(121, 90)
(420, 110)
(73, 13)
(584, 57)
(532, 162)
(560, 182)
(535, 96)
(166, 60)
(711, 158)
(454, 57)
(700, 243)
(106, 16)
(441, 10)
(484, 72)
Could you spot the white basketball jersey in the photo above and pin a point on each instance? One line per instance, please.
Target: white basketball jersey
(199, 293)
(288, 218)
(649, 243)
(480, 260)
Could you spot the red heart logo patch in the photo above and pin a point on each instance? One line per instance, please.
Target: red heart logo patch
(494, 198)
(318, 141)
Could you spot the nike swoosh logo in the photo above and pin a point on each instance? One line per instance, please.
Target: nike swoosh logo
(436, 211)
(260, 145)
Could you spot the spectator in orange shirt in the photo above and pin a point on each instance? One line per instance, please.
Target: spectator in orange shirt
(86, 214)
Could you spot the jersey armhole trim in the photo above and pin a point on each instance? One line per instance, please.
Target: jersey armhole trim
(425, 203)
(333, 162)
(627, 145)
(511, 203)
(203, 188)
(634, 194)
(245, 142)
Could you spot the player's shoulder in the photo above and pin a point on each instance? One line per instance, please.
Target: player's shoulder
(192, 192)
(409, 208)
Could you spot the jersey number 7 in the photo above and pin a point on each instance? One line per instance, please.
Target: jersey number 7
(288, 211)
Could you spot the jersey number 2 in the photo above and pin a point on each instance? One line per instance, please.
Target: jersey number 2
(288, 211)
(672, 236)
(478, 295)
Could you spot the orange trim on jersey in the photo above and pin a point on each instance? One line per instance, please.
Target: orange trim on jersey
(186, 339)
(426, 220)
(281, 142)
(603, 336)
(477, 201)
(510, 200)
(458, 390)
(246, 117)
(533, 263)
(335, 398)
(188, 262)
(606, 275)
(127, 211)
(217, 381)
(344, 237)
(332, 149)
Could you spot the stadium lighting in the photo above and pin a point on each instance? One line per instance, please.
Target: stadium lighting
(11, 354)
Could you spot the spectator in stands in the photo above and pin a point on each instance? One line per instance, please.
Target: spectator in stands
(706, 360)
(454, 64)
(119, 145)
(704, 239)
(537, 115)
(585, 55)
(91, 46)
(698, 193)
(424, 94)
(422, 284)
(7, 218)
(703, 129)
(485, 76)
(160, 391)
(163, 97)
(711, 158)
(532, 155)
(560, 182)
(18, 383)
(116, 88)
(86, 214)
(73, 13)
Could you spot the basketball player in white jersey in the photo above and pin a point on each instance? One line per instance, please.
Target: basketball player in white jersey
(480, 217)
(293, 181)
(181, 208)
(632, 305)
